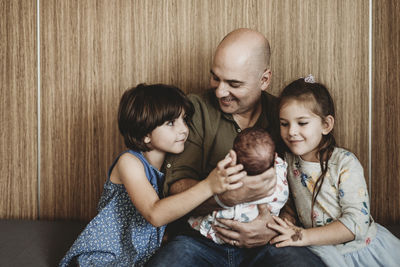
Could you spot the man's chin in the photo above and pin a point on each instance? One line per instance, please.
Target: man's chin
(227, 108)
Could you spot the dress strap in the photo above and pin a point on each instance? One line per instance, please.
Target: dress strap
(153, 175)
(113, 164)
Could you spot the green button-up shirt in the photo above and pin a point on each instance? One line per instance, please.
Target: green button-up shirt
(211, 137)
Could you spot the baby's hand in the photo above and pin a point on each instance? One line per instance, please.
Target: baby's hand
(226, 176)
(290, 235)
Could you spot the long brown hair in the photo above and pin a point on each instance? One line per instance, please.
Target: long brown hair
(321, 103)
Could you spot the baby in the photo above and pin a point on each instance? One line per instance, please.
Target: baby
(255, 150)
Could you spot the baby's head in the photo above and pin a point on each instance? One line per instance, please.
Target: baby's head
(255, 150)
(145, 107)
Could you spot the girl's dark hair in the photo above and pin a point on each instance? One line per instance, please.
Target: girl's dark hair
(145, 107)
(317, 97)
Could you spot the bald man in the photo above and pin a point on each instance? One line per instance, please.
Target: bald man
(238, 99)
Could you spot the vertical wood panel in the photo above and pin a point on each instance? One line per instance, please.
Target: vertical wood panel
(386, 112)
(82, 77)
(330, 40)
(93, 50)
(18, 110)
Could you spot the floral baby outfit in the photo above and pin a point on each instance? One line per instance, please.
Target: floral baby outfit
(245, 212)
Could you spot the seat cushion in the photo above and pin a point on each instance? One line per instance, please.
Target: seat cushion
(36, 243)
(44, 243)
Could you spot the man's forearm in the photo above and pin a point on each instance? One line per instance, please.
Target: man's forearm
(254, 188)
(207, 207)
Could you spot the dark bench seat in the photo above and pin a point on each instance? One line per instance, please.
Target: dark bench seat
(36, 243)
(44, 243)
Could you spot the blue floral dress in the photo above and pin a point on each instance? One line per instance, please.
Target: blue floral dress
(118, 235)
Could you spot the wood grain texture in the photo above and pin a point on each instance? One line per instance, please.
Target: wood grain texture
(91, 51)
(18, 110)
(386, 112)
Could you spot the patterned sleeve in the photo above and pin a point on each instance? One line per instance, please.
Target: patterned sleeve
(353, 196)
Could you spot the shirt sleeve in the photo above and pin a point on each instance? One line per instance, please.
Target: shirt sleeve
(353, 197)
(188, 164)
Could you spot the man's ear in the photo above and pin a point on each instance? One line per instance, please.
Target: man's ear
(328, 124)
(266, 79)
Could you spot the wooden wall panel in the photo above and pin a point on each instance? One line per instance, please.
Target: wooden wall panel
(386, 112)
(330, 40)
(91, 51)
(82, 77)
(18, 110)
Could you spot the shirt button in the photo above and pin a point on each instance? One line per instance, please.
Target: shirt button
(239, 130)
(169, 165)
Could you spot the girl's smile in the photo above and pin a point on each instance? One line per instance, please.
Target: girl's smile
(301, 129)
(169, 137)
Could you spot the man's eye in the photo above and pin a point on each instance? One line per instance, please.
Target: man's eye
(215, 78)
(234, 85)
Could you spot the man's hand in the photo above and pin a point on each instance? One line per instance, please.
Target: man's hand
(253, 188)
(249, 234)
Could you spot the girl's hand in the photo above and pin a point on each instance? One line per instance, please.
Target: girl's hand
(290, 235)
(226, 175)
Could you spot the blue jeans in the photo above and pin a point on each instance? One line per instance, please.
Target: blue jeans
(199, 251)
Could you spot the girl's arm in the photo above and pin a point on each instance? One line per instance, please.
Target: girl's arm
(162, 211)
(354, 204)
(291, 235)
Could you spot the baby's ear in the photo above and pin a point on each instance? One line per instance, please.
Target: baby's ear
(328, 124)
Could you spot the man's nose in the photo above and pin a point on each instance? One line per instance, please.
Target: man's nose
(221, 90)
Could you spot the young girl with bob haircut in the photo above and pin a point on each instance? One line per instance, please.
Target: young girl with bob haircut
(131, 221)
(328, 186)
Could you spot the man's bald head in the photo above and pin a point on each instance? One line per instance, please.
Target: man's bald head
(240, 72)
(247, 44)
